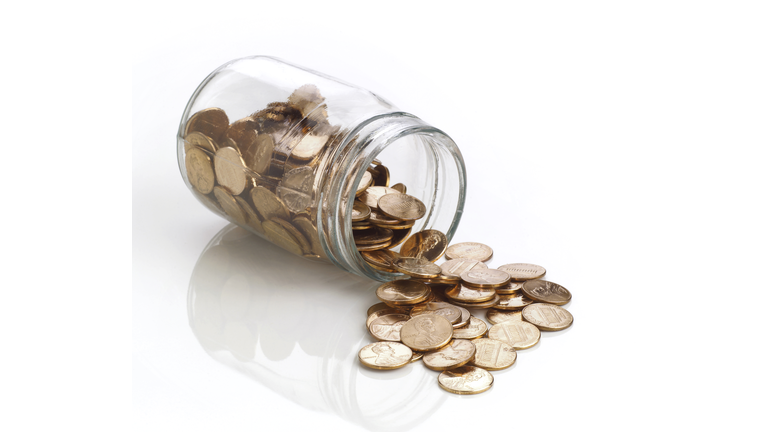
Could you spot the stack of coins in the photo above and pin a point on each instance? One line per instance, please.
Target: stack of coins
(428, 318)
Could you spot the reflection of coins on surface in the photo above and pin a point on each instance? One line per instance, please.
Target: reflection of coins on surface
(470, 295)
(521, 335)
(492, 354)
(199, 170)
(546, 292)
(399, 187)
(513, 302)
(465, 319)
(374, 235)
(456, 267)
(385, 355)
(211, 122)
(267, 204)
(416, 267)
(380, 258)
(387, 310)
(426, 332)
(230, 170)
(304, 225)
(253, 219)
(446, 310)
(456, 354)
(485, 278)
(230, 206)
(475, 329)
(402, 206)
(196, 139)
(402, 292)
(279, 236)
(295, 189)
(387, 327)
(364, 183)
(372, 194)
(523, 272)
(427, 244)
(496, 316)
(360, 211)
(510, 288)
(482, 305)
(548, 317)
(465, 380)
(471, 250)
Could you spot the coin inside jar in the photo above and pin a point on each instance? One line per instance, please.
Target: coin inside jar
(523, 272)
(380, 258)
(492, 354)
(402, 292)
(402, 206)
(200, 170)
(372, 194)
(485, 278)
(416, 267)
(211, 122)
(374, 235)
(465, 380)
(426, 332)
(547, 316)
(471, 250)
(446, 310)
(385, 355)
(364, 183)
(456, 354)
(230, 170)
(427, 244)
(387, 327)
(546, 292)
(456, 267)
(360, 212)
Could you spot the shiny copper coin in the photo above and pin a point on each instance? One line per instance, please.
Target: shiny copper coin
(196, 139)
(373, 247)
(241, 135)
(485, 278)
(280, 237)
(524, 272)
(296, 188)
(230, 170)
(402, 206)
(465, 319)
(416, 356)
(385, 355)
(200, 170)
(471, 250)
(426, 332)
(521, 335)
(456, 267)
(381, 258)
(376, 307)
(387, 310)
(252, 218)
(360, 212)
(441, 279)
(492, 354)
(309, 146)
(470, 295)
(484, 305)
(456, 354)
(380, 219)
(475, 329)
(296, 234)
(513, 302)
(405, 226)
(402, 292)
(268, 205)
(365, 182)
(546, 292)
(359, 226)
(465, 380)
(211, 122)
(305, 226)
(548, 317)
(416, 267)
(372, 194)
(387, 327)
(446, 310)
(230, 205)
(427, 244)
(510, 288)
(399, 187)
(259, 155)
(374, 235)
(380, 176)
(398, 237)
(496, 316)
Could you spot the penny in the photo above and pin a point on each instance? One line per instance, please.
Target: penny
(296, 234)
(496, 316)
(416, 267)
(280, 237)
(399, 187)
(471, 250)
(492, 354)
(441, 279)
(456, 354)
(465, 319)
(309, 146)
(359, 226)
(200, 170)
(364, 183)
(385, 355)
(387, 327)
(360, 211)
(230, 205)
(305, 227)
(374, 247)
(230, 170)
(484, 305)
(259, 155)
(402, 206)
(470, 295)
(295, 190)
(513, 302)
(456, 267)
(510, 288)
(211, 122)
(376, 307)
(426, 332)
(398, 236)
(416, 356)
(372, 194)
(485, 278)
(428, 244)
(267, 204)
(252, 219)
(446, 310)
(387, 310)
(402, 292)
(521, 335)
(241, 135)
(381, 258)
(546, 292)
(548, 317)
(378, 218)
(523, 272)
(196, 139)
(373, 236)
(465, 380)
(381, 176)
(475, 329)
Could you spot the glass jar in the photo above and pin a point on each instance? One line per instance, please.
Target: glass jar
(281, 151)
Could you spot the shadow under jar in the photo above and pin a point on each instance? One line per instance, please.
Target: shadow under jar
(282, 151)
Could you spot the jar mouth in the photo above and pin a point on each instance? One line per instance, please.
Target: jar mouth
(418, 155)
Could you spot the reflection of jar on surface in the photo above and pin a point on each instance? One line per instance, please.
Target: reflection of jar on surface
(280, 150)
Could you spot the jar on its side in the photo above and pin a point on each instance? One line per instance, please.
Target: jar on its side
(281, 150)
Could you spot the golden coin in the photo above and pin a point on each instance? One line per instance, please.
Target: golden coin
(230, 206)
(399, 236)
(465, 380)
(485, 278)
(280, 237)
(446, 310)
(465, 319)
(546, 292)
(388, 327)
(492, 354)
(523, 272)
(200, 170)
(465, 294)
(377, 218)
(484, 305)
(268, 205)
(253, 219)
(521, 335)
(456, 267)
(309, 146)
(211, 122)
(305, 227)
(416, 356)
(372, 194)
(426, 332)
(360, 211)
(513, 302)
(296, 234)
(441, 279)
(402, 206)
(475, 329)
(230, 170)
(471, 250)
(380, 176)
(376, 307)
(416, 267)
(259, 155)
(456, 354)
(295, 190)
(241, 135)
(399, 187)
(548, 317)
(365, 182)
(402, 292)
(381, 258)
(196, 139)
(374, 235)
(359, 226)
(388, 310)
(385, 355)
(428, 244)
(373, 247)
(510, 288)
(496, 316)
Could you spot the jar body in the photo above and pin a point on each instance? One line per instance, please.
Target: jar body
(280, 151)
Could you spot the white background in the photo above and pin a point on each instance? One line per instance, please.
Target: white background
(622, 145)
